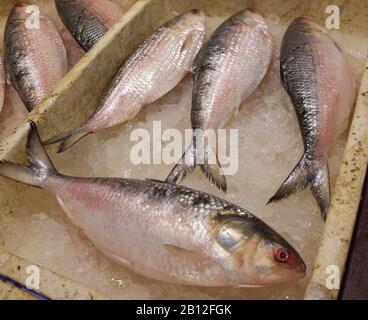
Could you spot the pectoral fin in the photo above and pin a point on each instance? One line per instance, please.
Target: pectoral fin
(191, 256)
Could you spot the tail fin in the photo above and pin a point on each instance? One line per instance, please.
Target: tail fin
(188, 162)
(40, 167)
(307, 173)
(184, 167)
(68, 139)
(320, 187)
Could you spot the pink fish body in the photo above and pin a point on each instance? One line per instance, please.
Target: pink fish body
(165, 231)
(35, 56)
(321, 85)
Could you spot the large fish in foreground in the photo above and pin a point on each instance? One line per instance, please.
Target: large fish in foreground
(151, 71)
(165, 231)
(88, 20)
(227, 70)
(320, 83)
(34, 54)
(2, 81)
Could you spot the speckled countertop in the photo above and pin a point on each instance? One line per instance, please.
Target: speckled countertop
(51, 284)
(345, 202)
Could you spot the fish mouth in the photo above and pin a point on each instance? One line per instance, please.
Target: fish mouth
(196, 11)
(247, 23)
(301, 268)
(249, 17)
(19, 13)
(284, 275)
(20, 5)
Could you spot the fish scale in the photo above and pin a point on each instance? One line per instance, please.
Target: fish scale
(89, 20)
(321, 86)
(35, 59)
(227, 70)
(165, 231)
(153, 69)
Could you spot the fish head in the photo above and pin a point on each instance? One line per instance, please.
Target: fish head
(250, 18)
(305, 25)
(194, 20)
(23, 12)
(18, 13)
(255, 255)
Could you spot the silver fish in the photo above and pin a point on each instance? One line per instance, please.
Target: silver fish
(88, 20)
(151, 71)
(227, 70)
(165, 231)
(321, 85)
(2, 82)
(34, 55)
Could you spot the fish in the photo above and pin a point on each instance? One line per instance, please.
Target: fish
(319, 80)
(35, 58)
(229, 67)
(2, 82)
(164, 231)
(88, 20)
(153, 69)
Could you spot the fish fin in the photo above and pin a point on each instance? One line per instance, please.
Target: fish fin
(214, 172)
(296, 181)
(72, 139)
(187, 164)
(190, 255)
(194, 257)
(68, 213)
(320, 187)
(184, 167)
(40, 167)
(313, 174)
(68, 139)
(56, 139)
(159, 192)
(17, 172)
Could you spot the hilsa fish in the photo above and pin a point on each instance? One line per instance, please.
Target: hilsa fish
(227, 70)
(2, 81)
(89, 20)
(34, 55)
(152, 70)
(321, 86)
(165, 231)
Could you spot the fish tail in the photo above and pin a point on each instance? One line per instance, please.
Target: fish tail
(68, 139)
(214, 172)
(189, 161)
(40, 167)
(307, 173)
(184, 167)
(320, 187)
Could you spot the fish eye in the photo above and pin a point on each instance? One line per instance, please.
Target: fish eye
(281, 255)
